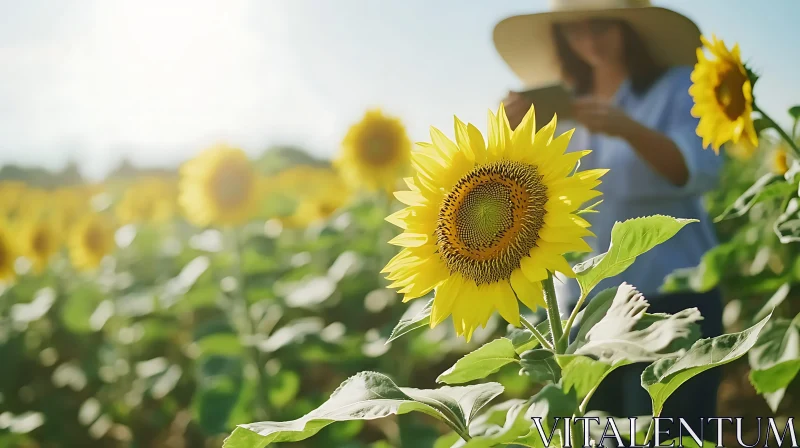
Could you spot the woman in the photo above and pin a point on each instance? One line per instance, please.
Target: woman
(629, 68)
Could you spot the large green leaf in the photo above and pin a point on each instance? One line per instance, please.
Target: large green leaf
(775, 359)
(484, 361)
(664, 376)
(584, 374)
(368, 396)
(414, 321)
(596, 309)
(493, 431)
(541, 366)
(626, 333)
(629, 239)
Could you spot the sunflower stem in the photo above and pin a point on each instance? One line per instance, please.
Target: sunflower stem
(554, 314)
(572, 316)
(249, 327)
(536, 333)
(779, 130)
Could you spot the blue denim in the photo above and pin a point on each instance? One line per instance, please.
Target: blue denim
(621, 393)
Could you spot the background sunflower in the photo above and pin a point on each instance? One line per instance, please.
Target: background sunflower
(375, 152)
(90, 241)
(219, 187)
(723, 96)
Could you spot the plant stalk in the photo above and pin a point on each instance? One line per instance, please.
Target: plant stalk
(536, 333)
(572, 316)
(249, 326)
(554, 314)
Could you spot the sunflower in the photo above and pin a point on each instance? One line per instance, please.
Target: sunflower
(219, 186)
(69, 205)
(324, 193)
(11, 193)
(375, 152)
(91, 240)
(150, 199)
(40, 241)
(8, 254)
(485, 223)
(723, 96)
(780, 160)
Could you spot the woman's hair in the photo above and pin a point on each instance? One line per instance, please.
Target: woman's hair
(642, 68)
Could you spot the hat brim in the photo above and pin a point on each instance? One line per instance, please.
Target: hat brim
(526, 42)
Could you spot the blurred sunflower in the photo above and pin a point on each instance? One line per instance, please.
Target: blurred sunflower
(90, 240)
(485, 223)
(150, 199)
(723, 96)
(34, 204)
(780, 160)
(375, 152)
(40, 241)
(219, 186)
(321, 194)
(8, 254)
(743, 150)
(11, 193)
(69, 206)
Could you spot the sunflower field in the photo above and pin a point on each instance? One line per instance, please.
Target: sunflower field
(396, 296)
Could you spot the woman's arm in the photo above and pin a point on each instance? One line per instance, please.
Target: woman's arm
(657, 149)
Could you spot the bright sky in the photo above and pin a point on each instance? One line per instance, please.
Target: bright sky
(155, 81)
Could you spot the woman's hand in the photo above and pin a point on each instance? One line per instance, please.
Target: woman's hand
(601, 116)
(516, 106)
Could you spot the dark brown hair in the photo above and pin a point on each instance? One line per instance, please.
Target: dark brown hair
(642, 68)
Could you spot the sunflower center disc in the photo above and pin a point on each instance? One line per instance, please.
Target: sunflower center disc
(491, 219)
(41, 242)
(231, 185)
(730, 94)
(378, 147)
(94, 239)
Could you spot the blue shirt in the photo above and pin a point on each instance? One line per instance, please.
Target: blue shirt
(633, 189)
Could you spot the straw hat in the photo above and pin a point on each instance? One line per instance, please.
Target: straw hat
(526, 42)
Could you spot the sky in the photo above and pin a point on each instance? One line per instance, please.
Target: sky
(155, 82)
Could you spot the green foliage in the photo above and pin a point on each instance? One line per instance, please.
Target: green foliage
(663, 377)
(775, 359)
(487, 359)
(368, 396)
(629, 239)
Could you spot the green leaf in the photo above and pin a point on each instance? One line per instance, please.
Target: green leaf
(794, 111)
(629, 239)
(705, 276)
(777, 298)
(775, 359)
(766, 187)
(541, 366)
(513, 426)
(664, 376)
(413, 322)
(480, 363)
(447, 440)
(368, 396)
(596, 309)
(626, 333)
(225, 344)
(584, 374)
(551, 402)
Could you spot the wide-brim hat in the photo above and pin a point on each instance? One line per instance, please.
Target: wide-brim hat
(526, 42)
